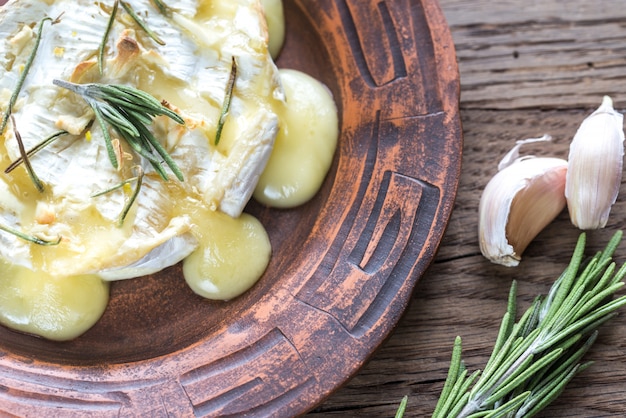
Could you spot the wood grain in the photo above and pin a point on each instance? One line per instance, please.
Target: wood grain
(527, 68)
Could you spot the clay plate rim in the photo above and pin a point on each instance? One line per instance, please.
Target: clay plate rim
(344, 265)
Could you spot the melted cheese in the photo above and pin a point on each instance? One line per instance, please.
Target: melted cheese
(231, 257)
(275, 24)
(305, 145)
(190, 72)
(57, 308)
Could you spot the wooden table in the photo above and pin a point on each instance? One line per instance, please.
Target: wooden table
(528, 67)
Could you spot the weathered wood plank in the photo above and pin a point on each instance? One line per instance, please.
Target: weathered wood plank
(550, 54)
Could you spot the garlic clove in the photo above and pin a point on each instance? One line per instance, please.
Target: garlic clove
(517, 204)
(513, 155)
(595, 167)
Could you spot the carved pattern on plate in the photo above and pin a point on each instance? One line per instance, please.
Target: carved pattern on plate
(370, 258)
(392, 46)
(365, 276)
(252, 387)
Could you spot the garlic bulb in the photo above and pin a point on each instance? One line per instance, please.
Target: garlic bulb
(595, 167)
(517, 203)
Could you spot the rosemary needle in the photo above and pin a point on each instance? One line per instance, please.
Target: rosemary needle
(535, 358)
(29, 238)
(105, 37)
(402, 407)
(36, 149)
(24, 157)
(162, 7)
(138, 180)
(25, 71)
(227, 99)
(142, 24)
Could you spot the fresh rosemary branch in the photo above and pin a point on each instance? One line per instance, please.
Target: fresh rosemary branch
(227, 100)
(25, 71)
(129, 111)
(534, 359)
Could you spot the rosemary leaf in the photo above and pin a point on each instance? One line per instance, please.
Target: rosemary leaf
(25, 71)
(156, 145)
(455, 393)
(402, 407)
(453, 373)
(161, 6)
(29, 238)
(133, 197)
(138, 180)
(35, 150)
(508, 407)
(107, 137)
(105, 37)
(534, 359)
(142, 24)
(227, 100)
(23, 155)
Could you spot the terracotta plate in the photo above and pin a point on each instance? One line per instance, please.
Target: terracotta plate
(344, 265)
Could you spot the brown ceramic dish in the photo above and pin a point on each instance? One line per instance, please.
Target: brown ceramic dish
(344, 265)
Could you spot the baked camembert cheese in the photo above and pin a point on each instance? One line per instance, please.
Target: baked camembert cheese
(133, 135)
(183, 54)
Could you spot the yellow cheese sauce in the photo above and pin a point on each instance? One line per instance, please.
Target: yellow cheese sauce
(305, 144)
(232, 252)
(57, 308)
(232, 256)
(275, 24)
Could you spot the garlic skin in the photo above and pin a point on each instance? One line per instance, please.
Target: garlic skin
(595, 167)
(517, 203)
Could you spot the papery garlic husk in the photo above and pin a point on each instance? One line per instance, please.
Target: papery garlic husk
(595, 167)
(517, 204)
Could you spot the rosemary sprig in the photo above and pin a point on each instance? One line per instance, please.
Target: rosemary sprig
(24, 157)
(50, 139)
(29, 238)
(138, 180)
(128, 110)
(227, 100)
(25, 71)
(535, 358)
